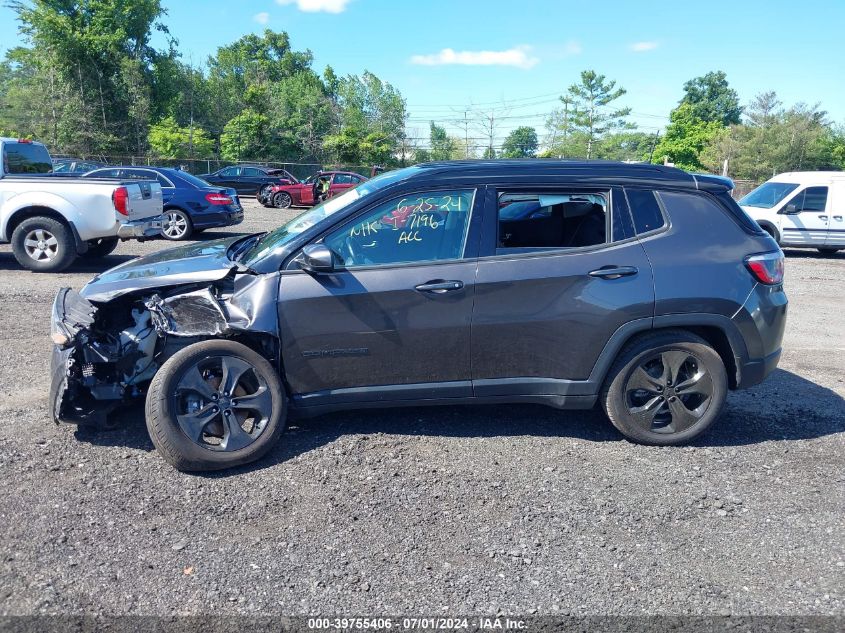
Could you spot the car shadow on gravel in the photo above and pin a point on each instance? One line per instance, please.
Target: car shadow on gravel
(786, 407)
(806, 253)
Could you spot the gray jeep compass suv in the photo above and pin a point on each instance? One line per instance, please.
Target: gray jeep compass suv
(643, 289)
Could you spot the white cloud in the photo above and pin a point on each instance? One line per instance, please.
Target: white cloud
(314, 6)
(642, 47)
(262, 18)
(519, 56)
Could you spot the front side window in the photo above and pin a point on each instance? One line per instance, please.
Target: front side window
(414, 228)
(810, 199)
(229, 172)
(548, 221)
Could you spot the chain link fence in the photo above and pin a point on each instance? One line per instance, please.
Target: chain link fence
(207, 166)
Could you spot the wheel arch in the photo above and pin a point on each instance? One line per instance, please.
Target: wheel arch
(720, 332)
(38, 211)
(771, 229)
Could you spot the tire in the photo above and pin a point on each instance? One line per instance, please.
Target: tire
(174, 402)
(828, 250)
(59, 247)
(649, 415)
(100, 248)
(262, 193)
(282, 200)
(771, 231)
(177, 225)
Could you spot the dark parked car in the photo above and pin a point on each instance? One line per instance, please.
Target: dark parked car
(74, 166)
(251, 180)
(641, 288)
(191, 205)
(308, 192)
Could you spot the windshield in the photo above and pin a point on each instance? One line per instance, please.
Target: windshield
(287, 232)
(767, 195)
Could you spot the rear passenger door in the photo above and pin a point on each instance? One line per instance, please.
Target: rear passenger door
(805, 218)
(560, 271)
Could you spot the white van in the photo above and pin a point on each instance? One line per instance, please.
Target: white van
(801, 208)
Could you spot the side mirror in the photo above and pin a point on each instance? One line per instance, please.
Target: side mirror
(317, 258)
(791, 208)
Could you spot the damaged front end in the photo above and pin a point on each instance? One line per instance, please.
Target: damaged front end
(106, 352)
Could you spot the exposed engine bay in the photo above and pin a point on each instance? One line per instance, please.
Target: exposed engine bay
(106, 352)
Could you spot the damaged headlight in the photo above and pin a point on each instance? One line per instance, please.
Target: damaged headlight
(71, 314)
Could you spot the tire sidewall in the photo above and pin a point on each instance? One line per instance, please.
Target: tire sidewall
(616, 404)
(165, 432)
(66, 252)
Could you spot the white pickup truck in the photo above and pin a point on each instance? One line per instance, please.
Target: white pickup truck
(52, 221)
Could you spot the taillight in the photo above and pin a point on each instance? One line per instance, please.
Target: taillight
(218, 198)
(120, 198)
(767, 268)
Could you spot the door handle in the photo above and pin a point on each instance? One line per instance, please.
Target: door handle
(614, 272)
(837, 217)
(440, 287)
(823, 217)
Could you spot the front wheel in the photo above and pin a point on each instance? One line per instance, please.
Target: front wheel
(43, 245)
(215, 405)
(176, 226)
(665, 388)
(282, 200)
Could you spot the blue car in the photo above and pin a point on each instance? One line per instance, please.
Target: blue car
(191, 204)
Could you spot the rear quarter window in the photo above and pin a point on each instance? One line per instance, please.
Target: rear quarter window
(678, 203)
(645, 210)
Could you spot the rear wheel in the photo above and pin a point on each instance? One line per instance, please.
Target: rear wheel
(100, 248)
(282, 200)
(665, 388)
(214, 405)
(263, 193)
(43, 245)
(177, 225)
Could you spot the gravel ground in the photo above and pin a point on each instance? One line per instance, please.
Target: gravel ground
(431, 511)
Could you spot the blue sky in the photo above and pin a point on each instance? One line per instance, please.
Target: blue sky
(515, 57)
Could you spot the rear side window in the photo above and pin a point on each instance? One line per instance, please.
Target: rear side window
(551, 220)
(645, 210)
(251, 172)
(342, 179)
(26, 158)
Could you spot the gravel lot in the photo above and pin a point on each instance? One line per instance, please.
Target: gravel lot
(433, 511)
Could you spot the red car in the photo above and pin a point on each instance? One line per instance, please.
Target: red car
(307, 193)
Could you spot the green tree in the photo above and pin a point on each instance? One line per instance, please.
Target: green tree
(167, 139)
(590, 117)
(442, 147)
(712, 99)
(685, 138)
(521, 143)
(90, 63)
(630, 146)
(245, 137)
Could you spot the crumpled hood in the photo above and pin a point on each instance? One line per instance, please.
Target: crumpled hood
(200, 262)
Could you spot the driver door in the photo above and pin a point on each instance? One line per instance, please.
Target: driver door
(805, 219)
(392, 322)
